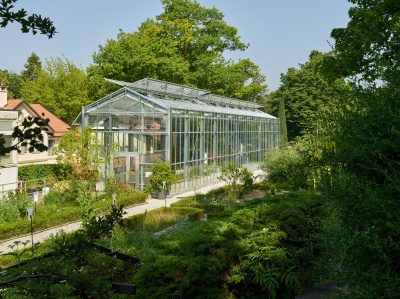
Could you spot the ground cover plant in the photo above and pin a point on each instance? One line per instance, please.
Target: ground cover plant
(262, 248)
(66, 202)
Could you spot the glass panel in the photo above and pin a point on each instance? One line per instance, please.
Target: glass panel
(133, 143)
(132, 122)
(104, 106)
(118, 122)
(132, 104)
(103, 121)
(147, 122)
(132, 171)
(160, 123)
(147, 107)
(6, 125)
(120, 168)
(7, 158)
(118, 104)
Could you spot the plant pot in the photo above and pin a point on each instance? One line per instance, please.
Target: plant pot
(149, 196)
(161, 194)
(31, 191)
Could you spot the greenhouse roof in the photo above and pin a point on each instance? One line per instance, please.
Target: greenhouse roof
(115, 103)
(164, 88)
(185, 105)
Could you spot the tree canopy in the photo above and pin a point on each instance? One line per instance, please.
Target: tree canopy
(60, 87)
(370, 44)
(35, 23)
(184, 45)
(309, 98)
(32, 66)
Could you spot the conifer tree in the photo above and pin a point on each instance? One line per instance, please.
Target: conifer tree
(32, 66)
(283, 139)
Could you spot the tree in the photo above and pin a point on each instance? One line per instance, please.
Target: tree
(60, 87)
(283, 140)
(14, 84)
(83, 151)
(370, 44)
(32, 67)
(309, 98)
(185, 45)
(34, 22)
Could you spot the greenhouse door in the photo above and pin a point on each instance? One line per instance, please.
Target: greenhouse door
(126, 168)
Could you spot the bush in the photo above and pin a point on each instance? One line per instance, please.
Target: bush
(52, 215)
(287, 166)
(263, 247)
(8, 212)
(39, 171)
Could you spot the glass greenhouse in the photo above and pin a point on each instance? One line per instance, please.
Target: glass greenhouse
(194, 131)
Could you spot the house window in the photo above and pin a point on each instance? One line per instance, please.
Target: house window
(50, 147)
(7, 158)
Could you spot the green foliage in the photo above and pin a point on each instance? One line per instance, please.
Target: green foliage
(19, 199)
(85, 202)
(8, 212)
(290, 166)
(29, 133)
(52, 213)
(263, 247)
(161, 171)
(34, 22)
(309, 99)
(113, 186)
(368, 47)
(72, 268)
(39, 171)
(13, 81)
(60, 87)
(151, 223)
(32, 67)
(362, 186)
(188, 41)
(283, 139)
(83, 152)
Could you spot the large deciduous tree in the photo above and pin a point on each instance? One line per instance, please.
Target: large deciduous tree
(185, 45)
(13, 81)
(60, 87)
(370, 44)
(363, 180)
(309, 98)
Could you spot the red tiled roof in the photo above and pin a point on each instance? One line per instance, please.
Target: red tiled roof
(55, 123)
(11, 104)
(59, 127)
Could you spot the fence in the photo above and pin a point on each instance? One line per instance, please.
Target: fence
(30, 186)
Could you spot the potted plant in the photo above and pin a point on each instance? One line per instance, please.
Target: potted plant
(161, 171)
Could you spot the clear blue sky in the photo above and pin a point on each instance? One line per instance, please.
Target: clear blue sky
(281, 33)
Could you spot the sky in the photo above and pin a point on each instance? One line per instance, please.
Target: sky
(281, 33)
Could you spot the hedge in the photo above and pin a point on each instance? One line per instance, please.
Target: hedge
(23, 226)
(39, 171)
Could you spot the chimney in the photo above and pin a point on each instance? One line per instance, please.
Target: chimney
(3, 95)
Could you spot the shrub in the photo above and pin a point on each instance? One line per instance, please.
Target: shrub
(53, 197)
(8, 212)
(38, 171)
(287, 166)
(113, 186)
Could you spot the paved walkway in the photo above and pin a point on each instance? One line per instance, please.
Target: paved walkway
(151, 204)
